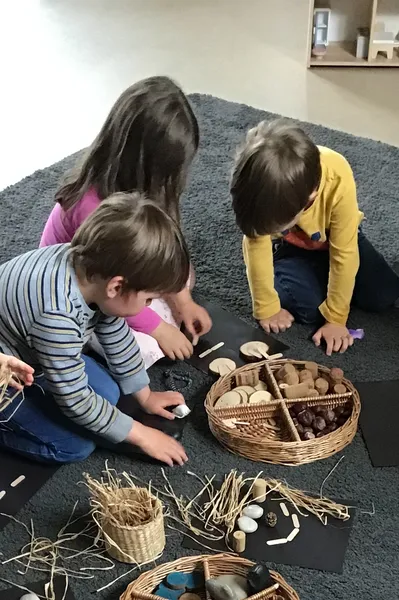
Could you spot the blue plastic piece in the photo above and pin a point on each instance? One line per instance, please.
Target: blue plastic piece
(195, 581)
(165, 592)
(177, 581)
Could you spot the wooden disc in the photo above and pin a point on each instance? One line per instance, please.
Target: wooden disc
(189, 596)
(260, 397)
(222, 366)
(228, 399)
(254, 349)
(245, 392)
(260, 387)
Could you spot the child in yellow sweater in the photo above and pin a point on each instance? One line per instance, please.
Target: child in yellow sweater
(306, 258)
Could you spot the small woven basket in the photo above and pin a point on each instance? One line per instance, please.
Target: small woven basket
(135, 544)
(270, 435)
(212, 566)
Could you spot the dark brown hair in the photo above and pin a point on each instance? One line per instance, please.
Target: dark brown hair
(130, 236)
(275, 172)
(146, 144)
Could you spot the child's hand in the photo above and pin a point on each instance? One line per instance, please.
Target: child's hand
(155, 403)
(337, 338)
(196, 320)
(278, 322)
(172, 342)
(157, 444)
(21, 370)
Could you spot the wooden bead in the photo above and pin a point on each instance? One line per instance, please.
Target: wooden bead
(313, 368)
(239, 539)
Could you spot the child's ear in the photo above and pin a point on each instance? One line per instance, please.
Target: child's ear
(114, 287)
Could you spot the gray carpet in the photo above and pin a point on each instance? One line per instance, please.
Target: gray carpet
(371, 569)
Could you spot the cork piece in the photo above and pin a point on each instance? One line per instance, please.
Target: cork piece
(339, 388)
(336, 375)
(301, 390)
(313, 368)
(304, 375)
(321, 385)
(261, 386)
(259, 490)
(260, 397)
(239, 539)
(291, 378)
(255, 350)
(285, 369)
(228, 399)
(313, 392)
(222, 366)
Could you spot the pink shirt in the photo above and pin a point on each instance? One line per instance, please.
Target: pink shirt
(60, 229)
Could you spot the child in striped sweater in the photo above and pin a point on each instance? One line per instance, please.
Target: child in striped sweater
(53, 299)
(147, 143)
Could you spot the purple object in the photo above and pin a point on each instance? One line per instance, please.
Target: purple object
(357, 334)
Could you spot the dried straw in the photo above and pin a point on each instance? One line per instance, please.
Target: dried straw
(6, 376)
(59, 556)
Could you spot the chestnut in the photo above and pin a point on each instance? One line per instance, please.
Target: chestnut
(306, 417)
(299, 407)
(308, 435)
(319, 424)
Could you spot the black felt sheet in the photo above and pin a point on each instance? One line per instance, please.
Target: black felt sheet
(38, 588)
(379, 421)
(317, 546)
(233, 332)
(11, 467)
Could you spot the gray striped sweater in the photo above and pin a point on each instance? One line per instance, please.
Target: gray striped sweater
(45, 321)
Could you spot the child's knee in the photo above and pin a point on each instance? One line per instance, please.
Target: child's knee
(75, 451)
(307, 315)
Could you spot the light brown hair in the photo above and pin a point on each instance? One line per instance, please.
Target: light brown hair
(146, 144)
(275, 172)
(130, 236)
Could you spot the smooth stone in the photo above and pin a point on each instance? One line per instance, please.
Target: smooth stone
(30, 597)
(247, 525)
(254, 511)
(259, 578)
(228, 587)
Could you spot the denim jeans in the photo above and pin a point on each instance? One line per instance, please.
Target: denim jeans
(301, 280)
(40, 431)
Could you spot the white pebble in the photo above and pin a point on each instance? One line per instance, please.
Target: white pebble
(181, 411)
(254, 511)
(30, 597)
(247, 525)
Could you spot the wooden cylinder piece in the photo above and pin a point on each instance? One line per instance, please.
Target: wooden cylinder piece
(301, 390)
(239, 539)
(259, 490)
(321, 385)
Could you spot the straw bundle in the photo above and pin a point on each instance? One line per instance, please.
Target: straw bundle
(130, 519)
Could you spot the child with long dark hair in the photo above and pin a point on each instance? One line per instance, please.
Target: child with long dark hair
(146, 144)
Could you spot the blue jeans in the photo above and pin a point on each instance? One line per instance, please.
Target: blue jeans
(40, 431)
(301, 279)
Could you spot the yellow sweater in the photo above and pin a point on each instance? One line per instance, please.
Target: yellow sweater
(336, 216)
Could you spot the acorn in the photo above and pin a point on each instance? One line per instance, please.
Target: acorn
(271, 519)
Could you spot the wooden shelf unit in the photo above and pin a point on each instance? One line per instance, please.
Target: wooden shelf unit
(343, 54)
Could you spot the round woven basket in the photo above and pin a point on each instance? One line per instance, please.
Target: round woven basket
(270, 434)
(212, 566)
(139, 544)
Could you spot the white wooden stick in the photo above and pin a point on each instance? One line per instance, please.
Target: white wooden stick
(277, 542)
(215, 347)
(17, 481)
(284, 509)
(274, 356)
(2, 494)
(293, 534)
(295, 520)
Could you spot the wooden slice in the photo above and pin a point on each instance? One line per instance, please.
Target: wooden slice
(222, 366)
(228, 399)
(245, 392)
(260, 397)
(261, 386)
(255, 349)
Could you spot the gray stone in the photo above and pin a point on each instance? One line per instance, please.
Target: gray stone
(227, 587)
(254, 511)
(247, 525)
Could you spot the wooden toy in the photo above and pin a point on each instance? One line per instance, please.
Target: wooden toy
(222, 366)
(239, 539)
